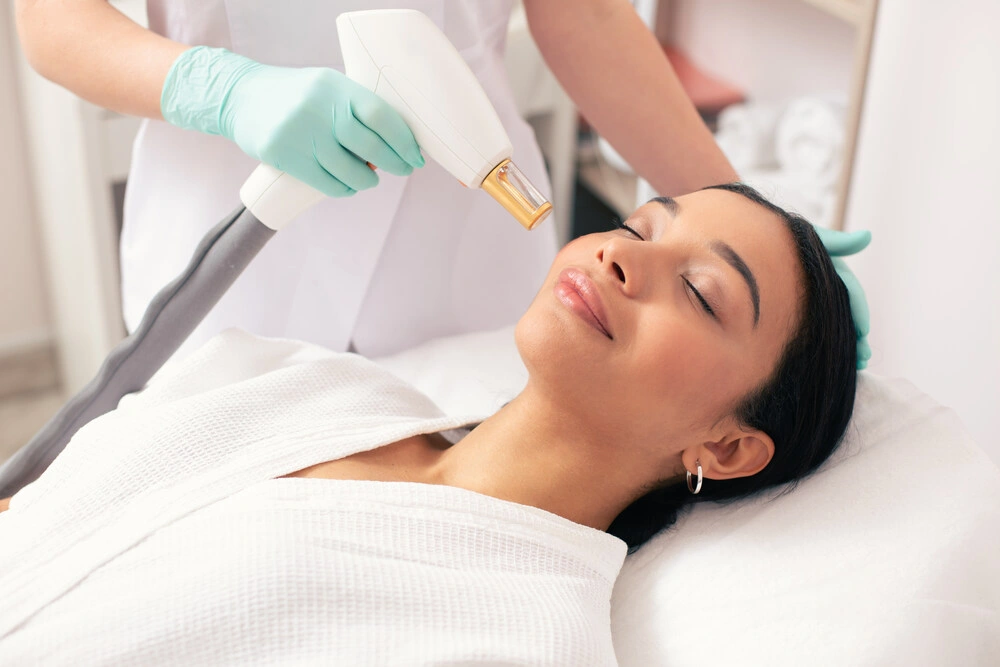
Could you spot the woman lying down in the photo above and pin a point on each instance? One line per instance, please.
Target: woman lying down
(265, 505)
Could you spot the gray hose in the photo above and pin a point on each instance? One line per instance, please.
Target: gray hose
(169, 319)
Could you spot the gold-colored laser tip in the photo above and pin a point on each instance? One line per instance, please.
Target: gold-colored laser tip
(508, 185)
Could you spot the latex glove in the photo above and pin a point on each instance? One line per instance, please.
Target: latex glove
(313, 123)
(839, 245)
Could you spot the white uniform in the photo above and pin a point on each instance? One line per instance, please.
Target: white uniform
(412, 259)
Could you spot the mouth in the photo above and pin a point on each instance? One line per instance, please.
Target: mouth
(578, 293)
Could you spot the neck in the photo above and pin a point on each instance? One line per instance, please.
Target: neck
(533, 453)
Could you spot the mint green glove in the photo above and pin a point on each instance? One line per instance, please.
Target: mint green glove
(312, 123)
(841, 244)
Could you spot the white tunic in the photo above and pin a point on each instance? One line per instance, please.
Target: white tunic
(412, 259)
(162, 536)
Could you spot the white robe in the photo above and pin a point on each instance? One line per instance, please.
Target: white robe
(345, 270)
(162, 536)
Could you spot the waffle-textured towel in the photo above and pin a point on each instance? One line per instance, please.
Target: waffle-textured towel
(162, 536)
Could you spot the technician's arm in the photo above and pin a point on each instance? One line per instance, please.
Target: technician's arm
(313, 123)
(614, 69)
(4, 504)
(97, 52)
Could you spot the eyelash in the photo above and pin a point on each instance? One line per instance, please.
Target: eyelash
(704, 304)
(621, 225)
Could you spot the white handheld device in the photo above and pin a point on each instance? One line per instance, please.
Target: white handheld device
(404, 58)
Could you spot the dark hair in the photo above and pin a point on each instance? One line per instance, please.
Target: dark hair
(804, 406)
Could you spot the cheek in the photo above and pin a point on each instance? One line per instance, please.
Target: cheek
(543, 335)
(685, 372)
(573, 253)
(577, 251)
(551, 344)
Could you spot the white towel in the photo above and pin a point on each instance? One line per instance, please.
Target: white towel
(746, 134)
(161, 536)
(613, 157)
(795, 192)
(810, 139)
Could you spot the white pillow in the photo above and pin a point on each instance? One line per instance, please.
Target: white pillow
(888, 555)
(468, 374)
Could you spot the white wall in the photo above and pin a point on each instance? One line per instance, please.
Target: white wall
(773, 49)
(927, 183)
(24, 318)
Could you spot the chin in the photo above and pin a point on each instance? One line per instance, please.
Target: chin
(561, 355)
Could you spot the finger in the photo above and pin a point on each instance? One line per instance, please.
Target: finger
(318, 178)
(358, 138)
(859, 303)
(864, 354)
(840, 244)
(343, 164)
(375, 114)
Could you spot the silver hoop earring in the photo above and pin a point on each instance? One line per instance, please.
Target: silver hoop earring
(695, 488)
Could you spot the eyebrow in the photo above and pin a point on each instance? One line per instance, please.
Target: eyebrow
(726, 252)
(669, 203)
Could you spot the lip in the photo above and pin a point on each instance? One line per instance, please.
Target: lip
(577, 291)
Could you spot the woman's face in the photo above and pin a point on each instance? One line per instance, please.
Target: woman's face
(652, 341)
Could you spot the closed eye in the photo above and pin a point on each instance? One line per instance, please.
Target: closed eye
(621, 225)
(704, 304)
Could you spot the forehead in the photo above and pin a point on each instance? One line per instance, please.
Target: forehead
(732, 214)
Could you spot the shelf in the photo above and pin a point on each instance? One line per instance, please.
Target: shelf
(854, 12)
(619, 190)
(614, 187)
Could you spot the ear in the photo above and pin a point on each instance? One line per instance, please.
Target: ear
(739, 453)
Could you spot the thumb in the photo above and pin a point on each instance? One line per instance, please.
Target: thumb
(840, 244)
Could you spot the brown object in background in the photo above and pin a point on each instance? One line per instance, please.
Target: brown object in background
(710, 94)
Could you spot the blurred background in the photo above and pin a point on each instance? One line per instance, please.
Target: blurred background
(859, 114)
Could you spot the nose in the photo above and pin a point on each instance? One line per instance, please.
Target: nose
(613, 259)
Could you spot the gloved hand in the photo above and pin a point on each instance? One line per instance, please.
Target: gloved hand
(839, 245)
(313, 123)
